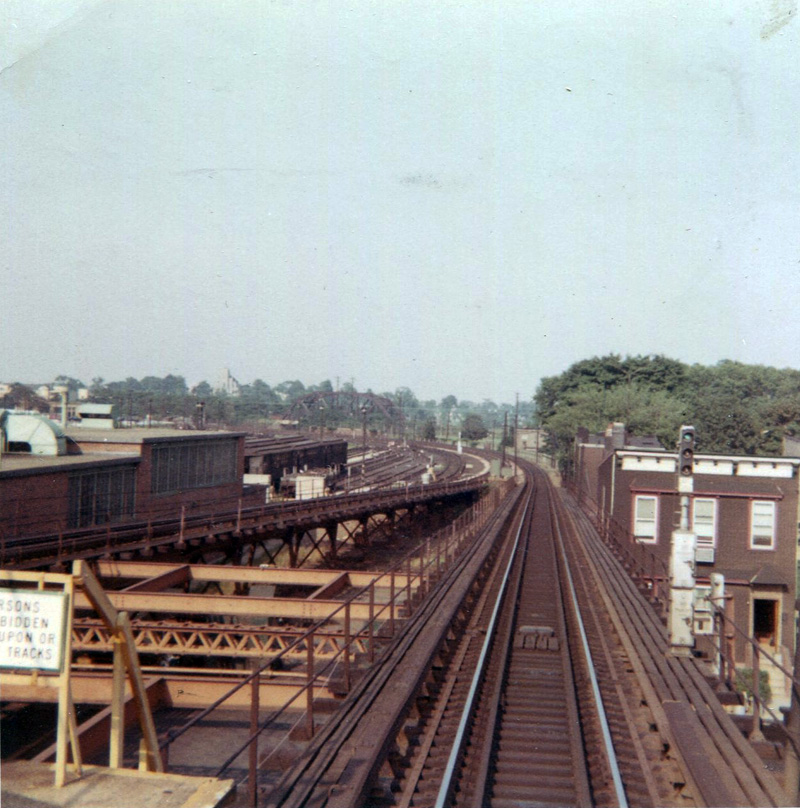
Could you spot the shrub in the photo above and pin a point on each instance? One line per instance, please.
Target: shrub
(744, 683)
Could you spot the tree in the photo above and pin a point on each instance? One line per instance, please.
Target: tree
(473, 427)
(203, 390)
(290, 390)
(73, 385)
(429, 429)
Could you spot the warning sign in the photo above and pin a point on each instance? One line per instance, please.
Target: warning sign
(32, 629)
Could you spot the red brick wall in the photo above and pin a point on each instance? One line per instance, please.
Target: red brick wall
(35, 503)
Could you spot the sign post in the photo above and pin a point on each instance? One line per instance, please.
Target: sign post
(36, 611)
(36, 636)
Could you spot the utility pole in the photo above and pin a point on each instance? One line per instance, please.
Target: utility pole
(516, 432)
(364, 431)
(505, 433)
(400, 432)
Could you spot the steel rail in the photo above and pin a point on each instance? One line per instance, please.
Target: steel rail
(739, 774)
(24, 552)
(455, 752)
(351, 746)
(480, 767)
(608, 744)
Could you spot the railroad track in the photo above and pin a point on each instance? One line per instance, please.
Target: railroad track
(539, 694)
(520, 714)
(721, 767)
(510, 716)
(31, 552)
(341, 765)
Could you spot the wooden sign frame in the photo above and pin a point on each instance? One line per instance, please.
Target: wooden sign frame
(125, 659)
(66, 726)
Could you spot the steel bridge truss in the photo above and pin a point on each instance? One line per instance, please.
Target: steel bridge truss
(264, 627)
(355, 405)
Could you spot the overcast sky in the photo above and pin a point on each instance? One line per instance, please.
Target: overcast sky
(459, 197)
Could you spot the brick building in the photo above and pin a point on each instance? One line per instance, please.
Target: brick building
(744, 511)
(105, 476)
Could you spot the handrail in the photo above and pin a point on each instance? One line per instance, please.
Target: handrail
(469, 523)
(30, 547)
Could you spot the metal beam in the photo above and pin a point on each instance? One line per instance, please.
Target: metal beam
(332, 588)
(224, 641)
(181, 691)
(222, 572)
(166, 580)
(226, 606)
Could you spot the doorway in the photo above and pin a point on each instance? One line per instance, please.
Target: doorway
(765, 621)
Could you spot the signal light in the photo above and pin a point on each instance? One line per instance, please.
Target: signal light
(686, 451)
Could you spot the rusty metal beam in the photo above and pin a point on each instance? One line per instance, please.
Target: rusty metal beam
(226, 606)
(179, 691)
(225, 641)
(166, 580)
(332, 588)
(253, 575)
(93, 733)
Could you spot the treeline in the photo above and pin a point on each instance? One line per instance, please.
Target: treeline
(735, 408)
(170, 398)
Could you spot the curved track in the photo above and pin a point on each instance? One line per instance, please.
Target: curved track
(546, 683)
(32, 552)
(532, 729)
(506, 715)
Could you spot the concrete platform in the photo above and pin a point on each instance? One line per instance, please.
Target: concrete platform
(25, 784)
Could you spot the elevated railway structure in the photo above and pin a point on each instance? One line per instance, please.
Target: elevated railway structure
(507, 660)
(309, 649)
(318, 525)
(543, 679)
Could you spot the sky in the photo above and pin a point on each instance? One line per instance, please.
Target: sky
(457, 197)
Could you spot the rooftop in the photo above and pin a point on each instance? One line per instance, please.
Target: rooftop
(139, 435)
(10, 463)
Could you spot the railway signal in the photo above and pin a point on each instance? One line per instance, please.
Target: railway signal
(686, 451)
(682, 555)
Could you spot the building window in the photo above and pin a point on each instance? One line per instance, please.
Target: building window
(704, 521)
(193, 464)
(762, 525)
(645, 519)
(99, 497)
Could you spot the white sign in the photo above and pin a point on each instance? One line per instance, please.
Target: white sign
(32, 629)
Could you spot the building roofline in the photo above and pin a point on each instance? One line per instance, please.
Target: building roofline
(776, 459)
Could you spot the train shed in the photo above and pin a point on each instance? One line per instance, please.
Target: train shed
(291, 454)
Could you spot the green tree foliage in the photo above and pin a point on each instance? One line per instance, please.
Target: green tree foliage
(473, 428)
(736, 408)
(743, 682)
(429, 429)
(203, 390)
(169, 398)
(73, 385)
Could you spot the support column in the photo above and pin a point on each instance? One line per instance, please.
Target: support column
(332, 531)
